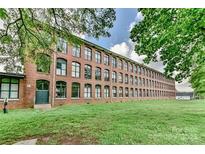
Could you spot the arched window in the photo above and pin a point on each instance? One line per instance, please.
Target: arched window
(121, 92)
(60, 89)
(75, 90)
(106, 91)
(76, 50)
(98, 73)
(126, 92)
(75, 69)
(88, 71)
(114, 91)
(88, 53)
(61, 67)
(87, 91)
(106, 75)
(61, 45)
(131, 92)
(114, 76)
(98, 91)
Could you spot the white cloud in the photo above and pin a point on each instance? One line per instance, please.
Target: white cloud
(139, 17)
(127, 50)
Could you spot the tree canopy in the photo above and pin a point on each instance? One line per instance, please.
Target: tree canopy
(28, 31)
(177, 36)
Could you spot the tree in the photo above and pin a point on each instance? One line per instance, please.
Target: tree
(26, 32)
(176, 35)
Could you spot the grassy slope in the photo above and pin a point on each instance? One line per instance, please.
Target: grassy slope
(142, 122)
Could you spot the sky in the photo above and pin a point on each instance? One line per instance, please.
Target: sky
(120, 43)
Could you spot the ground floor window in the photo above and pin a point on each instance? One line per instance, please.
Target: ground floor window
(87, 91)
(114, 91)
(9, 88)
(126, 92)
(75, 90)
(60, 89)
(97, 91)
(106, 91)
(131, 92)
(121, 92)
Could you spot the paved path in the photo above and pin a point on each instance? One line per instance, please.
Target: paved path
(27, 142)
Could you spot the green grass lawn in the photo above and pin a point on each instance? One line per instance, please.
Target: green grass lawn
(139, 122)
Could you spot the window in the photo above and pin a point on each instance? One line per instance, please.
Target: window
(75, 69)
(61, 45)
(114, 76)
(126, 78)
(98, 91)
(76, 51)
(98, 73)
(143, 82)
(131, 68)
(61, 67)
(120, 78)
(87, 91)
(136, 92)
(106, 91)
(121, 92)
(88, 72)
(131, 80)
(60, 89)
(106, 75)
(140, 92)
(75, 90)
(139, 70)
(126, 66)
(106, 59)
(114, 91)
(120, 64)
(140, 81)
(114, 62)
(46, 60)
(98, 57)
(126, 92)
(131, 92)
(136, 80)
(88, 54)
(135, 69)
(9, 88)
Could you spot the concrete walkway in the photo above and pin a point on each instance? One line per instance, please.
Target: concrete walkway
(27, 142)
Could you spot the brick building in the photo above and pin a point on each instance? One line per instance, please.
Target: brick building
(81, 74)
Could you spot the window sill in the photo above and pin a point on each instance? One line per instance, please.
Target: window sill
(75, 98)
(17, 99)
(60, 98)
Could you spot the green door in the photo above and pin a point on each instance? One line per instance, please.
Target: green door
(42, 92)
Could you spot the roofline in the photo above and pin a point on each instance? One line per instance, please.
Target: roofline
(12, 74)
(116, 54)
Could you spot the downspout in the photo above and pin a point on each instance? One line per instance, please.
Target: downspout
(54, 79)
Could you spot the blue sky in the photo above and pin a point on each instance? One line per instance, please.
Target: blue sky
(120, 31)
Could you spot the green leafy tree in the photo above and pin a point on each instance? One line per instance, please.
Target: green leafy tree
(28, 31)
(176, 35)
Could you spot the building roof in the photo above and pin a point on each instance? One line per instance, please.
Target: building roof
(17, 75)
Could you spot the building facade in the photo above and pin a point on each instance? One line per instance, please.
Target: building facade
(84, 73)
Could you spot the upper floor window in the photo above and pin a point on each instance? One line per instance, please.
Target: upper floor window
(135, 69)
(98, 73)
(9, 88)
(88, 54)
(88, 91)
(121, 92)
(75, 69)
(114, 62)
(126, 79)
(61, 67)
(143, 82)
(131, 68)
(88, 72)
(136, 80)
(60, 89)
(140, 81)
(120, 78)
(46, 60)
(98, 57)
(98, 91)
(120, 64)
(61, 45)
(114, 91)
(139, 69)
(76, 51)
(106, 91)
(114, 76)
(106, 75)
(75, 90)
(126, 66)
(106, 59)
(131, 80)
